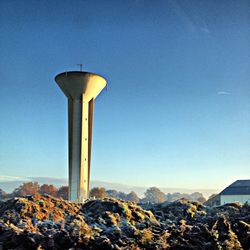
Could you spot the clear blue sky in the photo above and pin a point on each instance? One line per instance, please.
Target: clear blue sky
(177, 112)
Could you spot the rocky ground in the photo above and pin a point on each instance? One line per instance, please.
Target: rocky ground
(44, 222)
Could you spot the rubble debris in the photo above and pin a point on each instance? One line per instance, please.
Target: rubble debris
(45, 222)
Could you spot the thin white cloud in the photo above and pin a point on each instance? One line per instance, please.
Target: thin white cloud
(205, 30)
(7, 178)
(183, 16)
(194, 22)
(223, 93)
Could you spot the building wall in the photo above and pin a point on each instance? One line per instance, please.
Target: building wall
(234, 198)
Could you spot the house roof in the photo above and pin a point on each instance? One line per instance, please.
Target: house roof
(239, 187)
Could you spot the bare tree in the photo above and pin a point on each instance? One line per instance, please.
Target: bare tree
(154, 195)
(121, 195)
(212, 196)
(132, 196)
(112, 193)
(3, 194)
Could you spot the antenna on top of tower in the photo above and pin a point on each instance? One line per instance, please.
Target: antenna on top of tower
(80, 64)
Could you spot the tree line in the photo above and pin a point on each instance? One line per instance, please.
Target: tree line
(31, 188)
(152, 194)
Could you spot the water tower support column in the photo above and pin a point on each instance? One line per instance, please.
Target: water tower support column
(81, 88)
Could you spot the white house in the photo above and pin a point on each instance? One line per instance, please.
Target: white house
(239, 191)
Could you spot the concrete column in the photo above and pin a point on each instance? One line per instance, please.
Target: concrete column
(84, 170)
(91, 117)
(75, 131)
(80, 119)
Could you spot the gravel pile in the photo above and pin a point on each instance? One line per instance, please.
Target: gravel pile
(44, 222)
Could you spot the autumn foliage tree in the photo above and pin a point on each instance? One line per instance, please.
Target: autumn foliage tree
(98, 192)
(28, 188)
(48, 189)
(63, 192)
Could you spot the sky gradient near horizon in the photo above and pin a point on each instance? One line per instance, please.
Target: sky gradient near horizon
(177, 110)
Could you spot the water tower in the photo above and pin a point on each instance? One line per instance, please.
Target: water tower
(81, 89)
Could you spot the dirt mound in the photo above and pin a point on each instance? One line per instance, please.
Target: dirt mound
(44, 222)
(194, 226)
